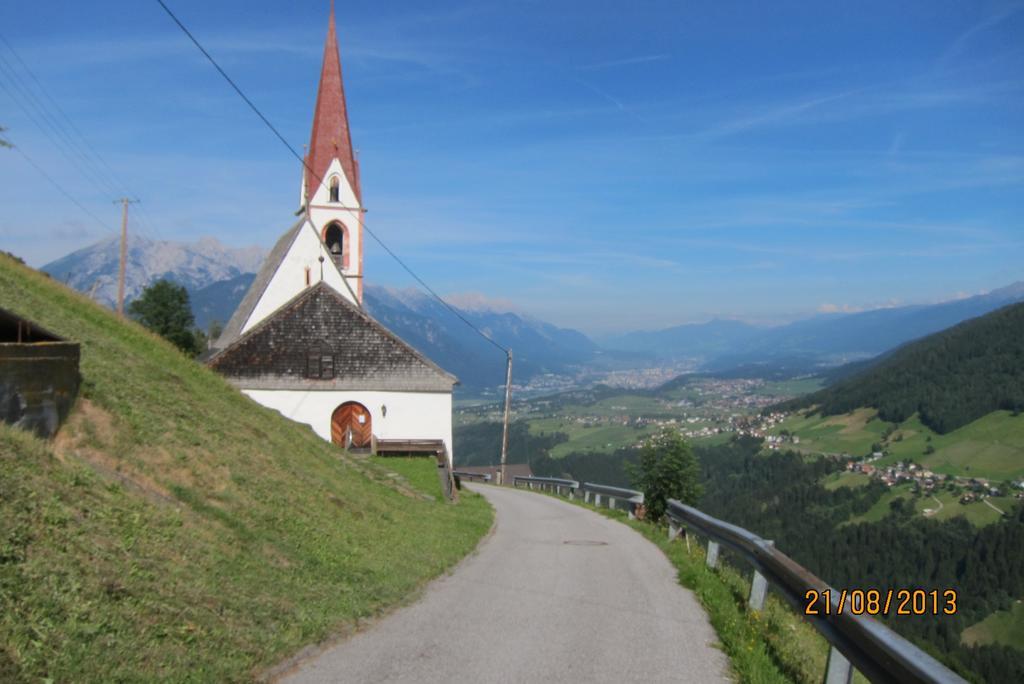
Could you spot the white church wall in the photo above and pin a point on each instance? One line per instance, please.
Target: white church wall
(290, 277)
(346, 211)
(410, 415)
(346, 195)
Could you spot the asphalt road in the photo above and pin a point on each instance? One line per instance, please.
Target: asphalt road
(556, 593)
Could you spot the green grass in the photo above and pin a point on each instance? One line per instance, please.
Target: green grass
(790, 388)
(991, 447)
(600, 438)
(852, 433)
(846, 479)
(177, 530)
(1002, 627)
(420, 472)
(881, 508)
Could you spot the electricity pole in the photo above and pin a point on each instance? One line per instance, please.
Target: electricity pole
(124, 252)
(508, 402)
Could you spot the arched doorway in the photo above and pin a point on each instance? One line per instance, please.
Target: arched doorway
(351, 425)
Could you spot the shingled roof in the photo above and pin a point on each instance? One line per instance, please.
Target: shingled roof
(320, 322)
(233, 330)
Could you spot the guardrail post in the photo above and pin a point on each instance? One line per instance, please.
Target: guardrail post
(839, 670)
(673, 530)
(597, 500)
(630, 507)
(758, 588)
(611, 502)
(586, 497)
(712, 554)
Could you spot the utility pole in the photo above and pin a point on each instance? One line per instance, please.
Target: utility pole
(124, 253)
(508, 403)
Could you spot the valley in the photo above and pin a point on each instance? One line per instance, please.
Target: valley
(603, 419)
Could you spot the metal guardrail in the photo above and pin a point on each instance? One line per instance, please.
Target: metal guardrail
(632, 497)
(464, 475)
(555, 484)
(858, 641)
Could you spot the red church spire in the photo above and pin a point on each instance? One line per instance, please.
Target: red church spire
(331, 138)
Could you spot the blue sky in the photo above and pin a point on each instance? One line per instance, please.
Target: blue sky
(602, 165)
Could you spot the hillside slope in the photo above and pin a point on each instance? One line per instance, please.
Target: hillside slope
(177, 530)
(950, 378)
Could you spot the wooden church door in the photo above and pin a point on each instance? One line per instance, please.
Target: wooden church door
(351, 418)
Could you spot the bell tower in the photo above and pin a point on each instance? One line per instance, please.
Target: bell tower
(331, 194)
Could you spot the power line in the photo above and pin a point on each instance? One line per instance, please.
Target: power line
(108, 171)
(320, 179)
(74, 147)
(59, 188)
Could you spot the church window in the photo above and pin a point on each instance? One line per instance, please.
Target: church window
(319, 362)
(307, 277)
(334, 237)
(334, 188)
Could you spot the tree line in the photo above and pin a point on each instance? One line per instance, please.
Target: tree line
(950, 378)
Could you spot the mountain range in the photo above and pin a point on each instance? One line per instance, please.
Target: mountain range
(430, 326)
(217, 277)
(823, 340)
(195, 265)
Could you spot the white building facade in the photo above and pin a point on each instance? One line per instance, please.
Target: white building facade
(300, 341)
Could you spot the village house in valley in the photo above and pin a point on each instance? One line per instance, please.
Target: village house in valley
(300, 341)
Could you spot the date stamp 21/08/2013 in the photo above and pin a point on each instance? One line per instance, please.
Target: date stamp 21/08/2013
(880, 602)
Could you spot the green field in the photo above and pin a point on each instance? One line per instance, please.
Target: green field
(846, 479)
(622, 405)
(851, 433)
(175, 530)
(978, 513)
(881, 507)
(796, 387)
(1002, 627)
(603, 438)
(990, 447)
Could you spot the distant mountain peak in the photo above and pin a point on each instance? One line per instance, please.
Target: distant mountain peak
(476, 301)
(195, 265)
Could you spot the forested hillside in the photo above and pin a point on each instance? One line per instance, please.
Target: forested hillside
(950, 378)
(781, 498)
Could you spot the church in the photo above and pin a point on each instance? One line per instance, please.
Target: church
(301, 342)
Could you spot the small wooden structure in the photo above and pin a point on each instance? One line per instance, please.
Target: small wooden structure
(39, 375)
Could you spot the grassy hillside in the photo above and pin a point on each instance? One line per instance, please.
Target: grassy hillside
(177, 530)
(990, 447)
(948, 379)
(1001, 627)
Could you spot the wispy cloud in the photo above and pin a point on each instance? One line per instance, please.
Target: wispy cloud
(989, 21)
(615, 101)
(784, 114)
(626, 61)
